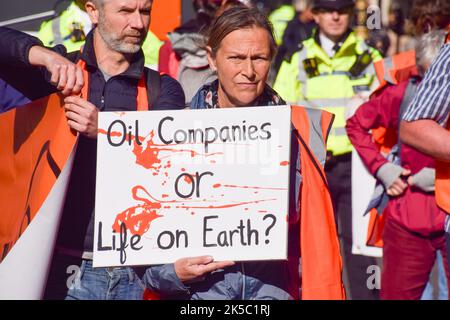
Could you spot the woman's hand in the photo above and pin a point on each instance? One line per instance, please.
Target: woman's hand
(192, 269)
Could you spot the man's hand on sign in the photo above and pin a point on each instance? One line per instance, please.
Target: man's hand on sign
(82, 116)
(191, 269)
(65, 75)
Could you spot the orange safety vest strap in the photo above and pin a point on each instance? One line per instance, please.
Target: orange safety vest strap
(375, 229)
(395, 69)
(443, 183)
(82, 65)
(321, 260)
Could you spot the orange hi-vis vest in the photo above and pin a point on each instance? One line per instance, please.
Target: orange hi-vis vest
(443, 175)
(321, 263)
(443, 182)
(389, 71)
(320, 254)
(392, 70)
(395, 69)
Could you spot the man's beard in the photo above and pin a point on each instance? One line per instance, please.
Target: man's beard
(113, 41)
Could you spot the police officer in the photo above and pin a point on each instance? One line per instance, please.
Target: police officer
(280, 18)
(333, 70)
(71, 25)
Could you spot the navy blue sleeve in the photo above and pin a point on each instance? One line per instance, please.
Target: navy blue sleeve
(171, 96)
(31, 82)
(10, 98)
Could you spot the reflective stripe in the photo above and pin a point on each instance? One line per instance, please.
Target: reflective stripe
(316, 139)
(368, 70)
(388, 64)
(302, 75)
(361, 88)
(56, 29)
(338, 132)
(364, 46)
(334, 72)
(329, 103)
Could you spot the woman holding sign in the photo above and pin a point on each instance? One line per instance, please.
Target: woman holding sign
(240, 50)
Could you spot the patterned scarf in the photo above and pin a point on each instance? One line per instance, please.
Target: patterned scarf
(207, 97)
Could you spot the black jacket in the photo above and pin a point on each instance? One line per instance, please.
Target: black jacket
(119, 94)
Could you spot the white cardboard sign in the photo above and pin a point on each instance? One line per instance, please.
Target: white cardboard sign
(173, 184)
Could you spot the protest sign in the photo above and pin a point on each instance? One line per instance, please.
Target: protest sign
(173, 184)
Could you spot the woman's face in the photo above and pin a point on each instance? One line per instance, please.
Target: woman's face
(242, 63)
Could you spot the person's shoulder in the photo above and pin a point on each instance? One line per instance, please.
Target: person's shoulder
(394, 90)
(293, 52)
(169, 82)
(446, 50)
(171, 94)
(362, 46)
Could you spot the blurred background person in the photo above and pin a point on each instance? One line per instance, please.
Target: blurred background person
(413, 233)
(424, 16)
(379, 39)
(282, 11)
(298, 29)
(428, 15)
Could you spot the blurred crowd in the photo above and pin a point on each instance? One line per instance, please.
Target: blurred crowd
(323, 55)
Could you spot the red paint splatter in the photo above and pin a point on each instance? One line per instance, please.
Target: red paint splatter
(150, 157)
(284, 163)
(262, 211)
(165, 195)
(137, 219)
(112, 134)
(217, 185)
(246, 187)
(225, 206)
(187, 180)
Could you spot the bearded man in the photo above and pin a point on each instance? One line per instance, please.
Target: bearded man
(114, 62)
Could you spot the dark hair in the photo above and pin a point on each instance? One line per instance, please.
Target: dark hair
(427, 15)
(236, 18)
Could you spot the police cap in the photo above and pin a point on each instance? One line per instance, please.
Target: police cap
(332, 4)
